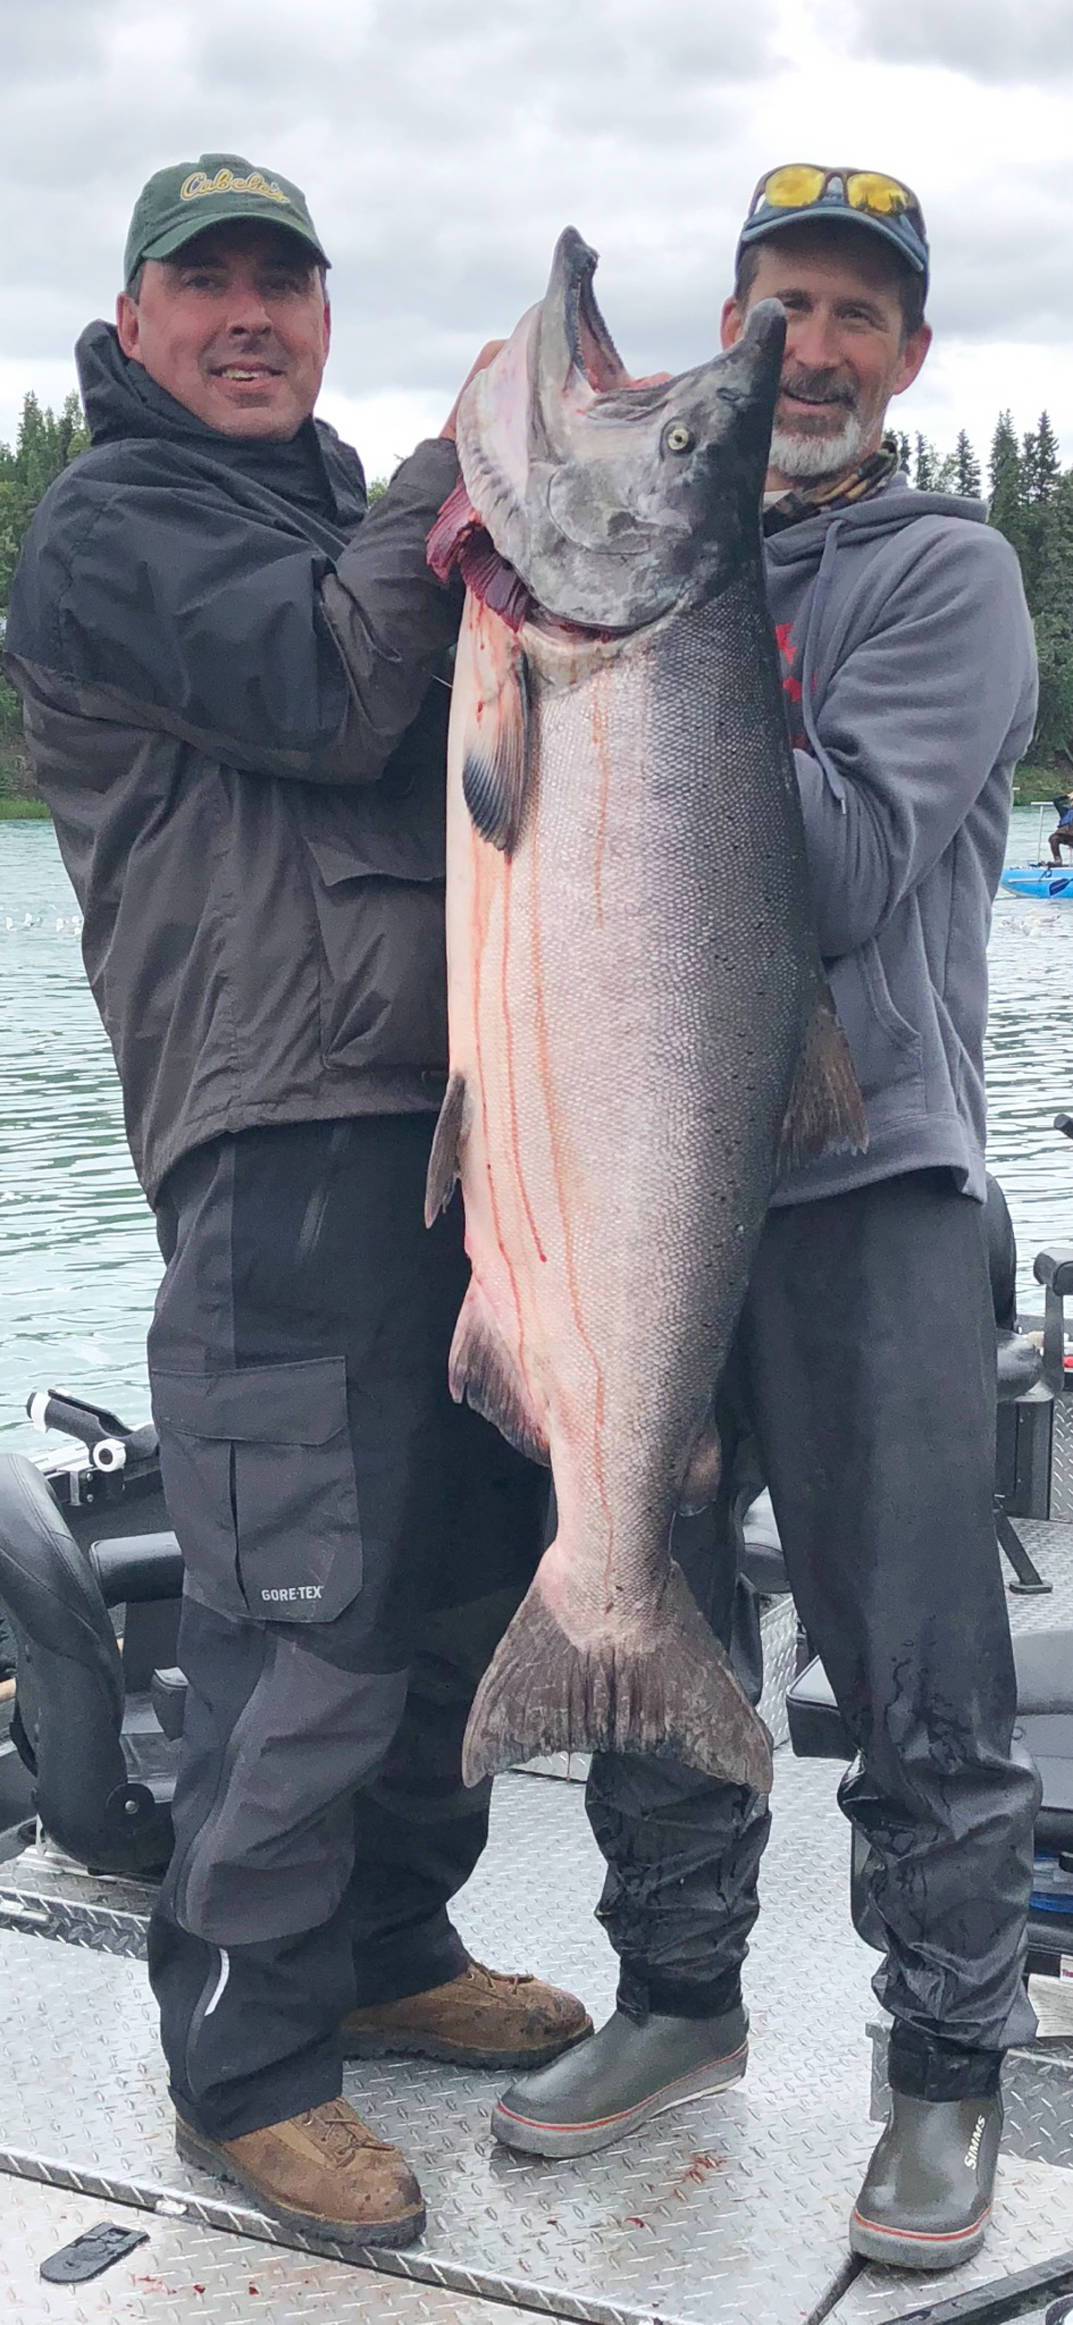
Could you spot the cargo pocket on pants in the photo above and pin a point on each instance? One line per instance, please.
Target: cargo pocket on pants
(258, 1472)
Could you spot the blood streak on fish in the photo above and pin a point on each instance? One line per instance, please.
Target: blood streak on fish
(641, 1031)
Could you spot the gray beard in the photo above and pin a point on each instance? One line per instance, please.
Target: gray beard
(806, 459)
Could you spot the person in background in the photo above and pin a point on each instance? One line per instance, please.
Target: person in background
(235, 708)
(1062, 837)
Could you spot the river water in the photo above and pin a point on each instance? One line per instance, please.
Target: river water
(78, 1257)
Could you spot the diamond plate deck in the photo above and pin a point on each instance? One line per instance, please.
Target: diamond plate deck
(1049, 1543)
(190, 2275)
(678, 2222)
(734, 2208)
(1062, 1460)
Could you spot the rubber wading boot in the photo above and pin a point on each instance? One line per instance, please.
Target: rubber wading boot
(483, 2018)
(324, 2172)
(926, 2199)
(618, 2079)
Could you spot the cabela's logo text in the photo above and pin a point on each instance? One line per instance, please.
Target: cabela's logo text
(225, 182)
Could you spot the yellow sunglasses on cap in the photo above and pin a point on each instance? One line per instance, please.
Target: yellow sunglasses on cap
(798, 187)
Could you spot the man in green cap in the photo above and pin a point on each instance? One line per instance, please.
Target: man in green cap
(232, 684)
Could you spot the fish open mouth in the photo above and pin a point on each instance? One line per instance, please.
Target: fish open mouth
(581, 344)
(589, 344)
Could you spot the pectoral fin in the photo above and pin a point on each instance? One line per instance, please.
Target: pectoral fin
(826, 1109)
(495, 744)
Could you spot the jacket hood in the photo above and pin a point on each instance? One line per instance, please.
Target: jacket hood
(896, 504)
(122, 402)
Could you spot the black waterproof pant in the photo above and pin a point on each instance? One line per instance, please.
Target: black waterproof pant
(862, 1387)
(355, 1545)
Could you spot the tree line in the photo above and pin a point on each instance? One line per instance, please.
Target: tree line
(1030, 501)
(46, 441)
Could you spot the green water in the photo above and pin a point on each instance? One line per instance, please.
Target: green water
(78, 1258)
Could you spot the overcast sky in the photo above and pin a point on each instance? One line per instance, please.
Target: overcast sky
(443, 144)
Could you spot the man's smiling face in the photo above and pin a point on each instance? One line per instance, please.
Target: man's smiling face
(236, 327)
(847, 350)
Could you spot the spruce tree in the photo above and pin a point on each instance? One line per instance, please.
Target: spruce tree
(1054, 622)
(925, 465)
(1047, 464)
(45, 443)
(967, 479)
(1006, 507)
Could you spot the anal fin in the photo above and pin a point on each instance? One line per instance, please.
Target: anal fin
(482, 1371)
(701, 1481)
(826, 1109)
(446, 1140)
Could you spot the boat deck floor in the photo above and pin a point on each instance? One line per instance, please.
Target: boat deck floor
(733, 2208)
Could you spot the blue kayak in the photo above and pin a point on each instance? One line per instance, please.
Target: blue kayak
(1039, 879)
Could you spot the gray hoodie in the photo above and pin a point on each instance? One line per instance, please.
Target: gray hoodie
(909, 667)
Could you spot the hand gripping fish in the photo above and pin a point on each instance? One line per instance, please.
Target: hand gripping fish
(640, 1027)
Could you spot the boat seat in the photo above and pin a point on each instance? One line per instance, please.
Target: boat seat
(1043, 1661)
(103, 1769)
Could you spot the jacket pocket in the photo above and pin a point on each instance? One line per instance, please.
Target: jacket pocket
(887, 1051)
(382, 964)
(258, 1473)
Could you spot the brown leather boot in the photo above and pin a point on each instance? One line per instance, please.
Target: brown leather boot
(324, 2172)
(483, 2018)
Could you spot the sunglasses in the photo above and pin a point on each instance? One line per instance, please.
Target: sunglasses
(800, 185)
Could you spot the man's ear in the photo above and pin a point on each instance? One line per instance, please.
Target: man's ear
(327, 325)
(912, 358)
(127, 325)
(731, 323)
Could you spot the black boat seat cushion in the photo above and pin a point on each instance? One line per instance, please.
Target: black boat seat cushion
(1044, 1666)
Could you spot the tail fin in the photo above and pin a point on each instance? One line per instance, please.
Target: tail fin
(671, 1692)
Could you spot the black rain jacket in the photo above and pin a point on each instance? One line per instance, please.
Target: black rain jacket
(228, 672)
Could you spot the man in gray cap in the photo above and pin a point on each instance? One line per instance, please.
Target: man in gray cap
(864, 1369)
(232, 684)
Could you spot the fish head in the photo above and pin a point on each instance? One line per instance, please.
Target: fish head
(618, 501)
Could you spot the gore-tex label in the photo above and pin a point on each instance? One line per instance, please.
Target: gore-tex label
(295, 1590)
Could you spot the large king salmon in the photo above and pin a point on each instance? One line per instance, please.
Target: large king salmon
(640, 1027)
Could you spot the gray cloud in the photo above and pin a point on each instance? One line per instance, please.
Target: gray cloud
(442, 153)
(443, 150)
(990, 40)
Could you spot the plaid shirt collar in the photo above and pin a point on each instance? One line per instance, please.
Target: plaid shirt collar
(825, 499)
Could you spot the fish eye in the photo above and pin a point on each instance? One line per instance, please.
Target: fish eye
(678, 438)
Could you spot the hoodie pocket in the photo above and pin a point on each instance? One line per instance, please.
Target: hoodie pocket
(382, 968)
(258, 1472)
(887, 1050)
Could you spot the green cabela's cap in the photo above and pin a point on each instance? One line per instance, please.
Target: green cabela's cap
(182, 201)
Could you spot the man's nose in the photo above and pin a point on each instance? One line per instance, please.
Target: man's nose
(812, 340)
(247, 310)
